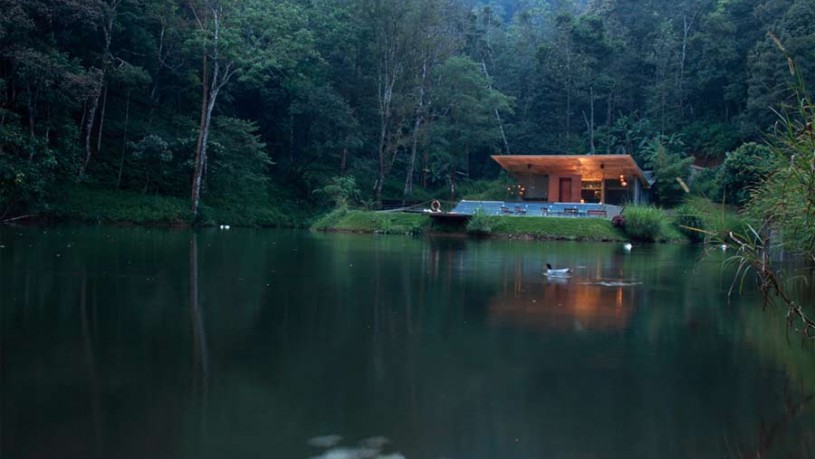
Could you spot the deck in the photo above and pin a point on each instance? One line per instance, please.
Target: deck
(465, 209)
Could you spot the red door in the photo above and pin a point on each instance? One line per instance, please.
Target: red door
(565, 189)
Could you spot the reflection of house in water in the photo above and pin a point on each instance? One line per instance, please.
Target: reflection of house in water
(573, 303)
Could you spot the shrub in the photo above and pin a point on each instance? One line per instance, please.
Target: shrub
(744, 169)
(110, 206)
(707, 183)
(643, 223)
(340, 191)
(690, 222)
(715, 219)
(480, 224)
(669, 165)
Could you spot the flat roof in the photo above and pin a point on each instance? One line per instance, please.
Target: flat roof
(591, 167)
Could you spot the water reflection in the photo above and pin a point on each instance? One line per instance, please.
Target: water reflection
(578, 302)
(200, 352)
(369, 448)
(248, 343)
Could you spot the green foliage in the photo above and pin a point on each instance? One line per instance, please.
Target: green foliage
(627, 134)
(714, 220)
(690, 222)
(706, 183)
(785, 201)
(668, 166)
(643, 223)
(300, 94)
(480, 224)
(26, 185)
(708, 139)
(98, 206)
(579, 229)
(341, 192)
(154, 154)
(247, 214)
(330, 220)
(238, 164)
(342, 219)
(555, 228)
(399, 223)
(744, 169)
(485, 190)
(466, 122)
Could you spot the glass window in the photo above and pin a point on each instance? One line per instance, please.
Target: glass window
(591, 191)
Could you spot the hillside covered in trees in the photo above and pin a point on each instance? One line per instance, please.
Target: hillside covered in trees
(261, 102)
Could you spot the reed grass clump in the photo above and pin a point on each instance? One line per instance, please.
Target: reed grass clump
(643, 223)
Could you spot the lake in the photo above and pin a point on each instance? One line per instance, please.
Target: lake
(161, 343)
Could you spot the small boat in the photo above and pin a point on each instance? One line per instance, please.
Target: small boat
(559, 272)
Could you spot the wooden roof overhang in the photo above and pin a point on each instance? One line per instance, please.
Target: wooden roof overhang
(590, 167)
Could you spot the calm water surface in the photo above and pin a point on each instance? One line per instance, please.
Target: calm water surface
(134, 343)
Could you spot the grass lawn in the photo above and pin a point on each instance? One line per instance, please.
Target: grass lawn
(373, 222)
(573, 229)
(552, 228)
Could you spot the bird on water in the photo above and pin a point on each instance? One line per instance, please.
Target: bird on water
(550, 271)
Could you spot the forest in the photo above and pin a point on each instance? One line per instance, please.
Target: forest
(271, 103)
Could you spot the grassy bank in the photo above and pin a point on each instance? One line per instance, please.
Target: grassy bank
(581, 229)
(640, 223)
(86, 205)
(359, 221)
(550, 228)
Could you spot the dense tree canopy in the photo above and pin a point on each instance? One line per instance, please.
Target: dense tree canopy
(229, 100)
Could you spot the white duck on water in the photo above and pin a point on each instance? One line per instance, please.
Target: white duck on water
(557, 272)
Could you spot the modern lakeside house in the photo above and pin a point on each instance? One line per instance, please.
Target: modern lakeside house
(566, 185)
(607, 179)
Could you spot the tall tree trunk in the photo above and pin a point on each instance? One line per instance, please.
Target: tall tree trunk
(89, 122)
(291, 136)
(687, 25)
(32, 113)
(425, 165)
(102, 119)
(107, 30)
(608, 122)
(387, 81)
(414, 141)
(124, 141)
(591, 120)
(47, 135)
(210, 87)
(495, 111)
(380, 175)
(568, 93)
(203, 133)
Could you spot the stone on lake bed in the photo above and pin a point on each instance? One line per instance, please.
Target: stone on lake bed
(325, 441)
(375, 442)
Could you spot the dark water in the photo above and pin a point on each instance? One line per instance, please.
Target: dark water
(133, 343)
